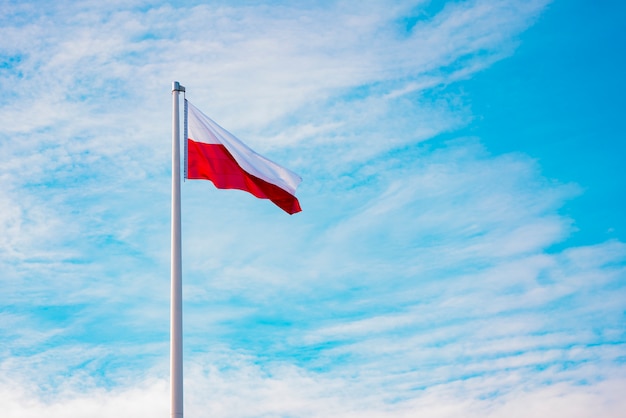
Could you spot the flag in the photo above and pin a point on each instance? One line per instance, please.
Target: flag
(215, 154)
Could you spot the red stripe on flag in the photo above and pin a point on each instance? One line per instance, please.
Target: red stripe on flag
(214, 162)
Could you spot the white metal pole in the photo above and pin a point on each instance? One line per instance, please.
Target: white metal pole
(176, 312)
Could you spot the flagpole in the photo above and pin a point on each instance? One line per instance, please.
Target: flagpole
(176, 308)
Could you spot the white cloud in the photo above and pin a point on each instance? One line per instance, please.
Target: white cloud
(244, 389)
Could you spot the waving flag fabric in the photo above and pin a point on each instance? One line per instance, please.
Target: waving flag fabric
(215, 154)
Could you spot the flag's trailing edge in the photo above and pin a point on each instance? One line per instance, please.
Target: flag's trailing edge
(215, 154)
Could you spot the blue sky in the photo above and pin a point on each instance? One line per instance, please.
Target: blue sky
(461, 250)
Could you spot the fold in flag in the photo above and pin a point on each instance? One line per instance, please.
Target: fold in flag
(215, 154)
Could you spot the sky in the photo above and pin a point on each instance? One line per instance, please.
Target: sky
(462, 245)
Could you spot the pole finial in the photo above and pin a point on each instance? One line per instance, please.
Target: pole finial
(177, 87)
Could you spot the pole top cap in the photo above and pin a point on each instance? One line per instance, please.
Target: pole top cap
(177, 87)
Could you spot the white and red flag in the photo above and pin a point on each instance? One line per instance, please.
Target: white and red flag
(215, 154)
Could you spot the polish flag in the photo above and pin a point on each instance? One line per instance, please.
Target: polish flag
(215, 154)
